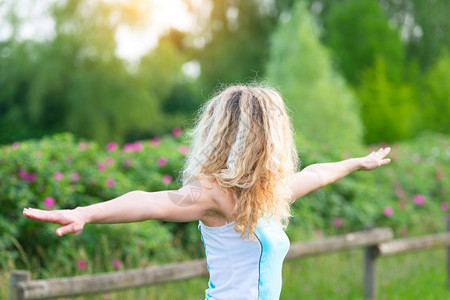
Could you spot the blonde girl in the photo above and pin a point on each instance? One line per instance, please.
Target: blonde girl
(239, 180)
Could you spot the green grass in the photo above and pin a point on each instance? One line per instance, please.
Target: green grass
(336, 276)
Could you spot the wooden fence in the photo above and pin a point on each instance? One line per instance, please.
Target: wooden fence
(376, 242)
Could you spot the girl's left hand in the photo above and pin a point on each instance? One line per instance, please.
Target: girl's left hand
(375, 159)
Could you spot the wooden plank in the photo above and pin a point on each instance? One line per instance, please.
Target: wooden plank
(447, 225)
(80, 285)
(415, 243)
(352, 240)
(369, 280)
(18, 276)
(88, 284)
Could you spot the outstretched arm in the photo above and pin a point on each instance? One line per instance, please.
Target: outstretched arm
(189, 203)
(316, 176)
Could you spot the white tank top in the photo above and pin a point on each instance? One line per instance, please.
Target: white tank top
(244, 270)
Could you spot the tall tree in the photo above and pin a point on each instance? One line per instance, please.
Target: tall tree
(74, 81)
(435, 99)
(424, 26)
(358, 32)
(389, 106)
(324, 109)
(237, 35)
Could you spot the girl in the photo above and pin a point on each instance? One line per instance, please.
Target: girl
(239, 180)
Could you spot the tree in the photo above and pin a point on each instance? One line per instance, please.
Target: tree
(324, 109)
(435, 99)
(389, 106)
(357, 32)
(424, 26)
(237, 41)
(74, 81)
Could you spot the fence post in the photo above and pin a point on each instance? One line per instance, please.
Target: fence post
(370, 255)
(447, 221)
(16, 277)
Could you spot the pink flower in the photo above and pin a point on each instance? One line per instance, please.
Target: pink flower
(155, 141)
(399, 192)
(74, 176)
(116, 263)
(49, 202)
(444, 206)
(176, 131)
(15, 146)
(30, 177)
(388, 211)
(166, 179)
(440, 174)
(101, 167)
(82, 146)
(22, 174)
(58, 175)
(419, 200)
(128, 148)
(162, 161)
(127, 163)
(337, 222)
(111, 147)
(138, 146)
(82, 264)
(109, 161)
(110, 182)
(183, 149)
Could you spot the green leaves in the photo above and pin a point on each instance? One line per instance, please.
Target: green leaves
(75, 174)
(324, 110)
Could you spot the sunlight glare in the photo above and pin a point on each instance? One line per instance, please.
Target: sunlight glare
(133, 43)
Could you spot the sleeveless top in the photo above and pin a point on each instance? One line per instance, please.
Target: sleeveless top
(241, 269)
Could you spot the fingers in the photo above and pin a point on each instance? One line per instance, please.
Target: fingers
(70, 228)
(39, 214)
(70, 225)
(382, 152)
(385, 161)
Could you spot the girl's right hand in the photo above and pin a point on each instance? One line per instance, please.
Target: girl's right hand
(71, 221)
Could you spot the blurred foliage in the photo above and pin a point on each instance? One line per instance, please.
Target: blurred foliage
(384, 48)
(76, 173)
(391, 53)
(355, 29)
(324, 109)
(419, 169)
(389, 105)
(423, 26)
(74, 82)
(435, 99)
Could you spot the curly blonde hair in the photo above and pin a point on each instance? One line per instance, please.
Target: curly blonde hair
(244, 141)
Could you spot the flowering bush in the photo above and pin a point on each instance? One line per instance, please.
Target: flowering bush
(58, 173)
(409, 195)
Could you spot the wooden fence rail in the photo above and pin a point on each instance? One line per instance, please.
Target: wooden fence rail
(376, 242)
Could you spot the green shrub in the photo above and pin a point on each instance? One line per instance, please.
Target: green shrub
(324, 109)
(408, 195)
(58, 173)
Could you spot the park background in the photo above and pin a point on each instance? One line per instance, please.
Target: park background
(93, 105)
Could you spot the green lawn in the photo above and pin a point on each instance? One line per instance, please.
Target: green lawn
(337, 276)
